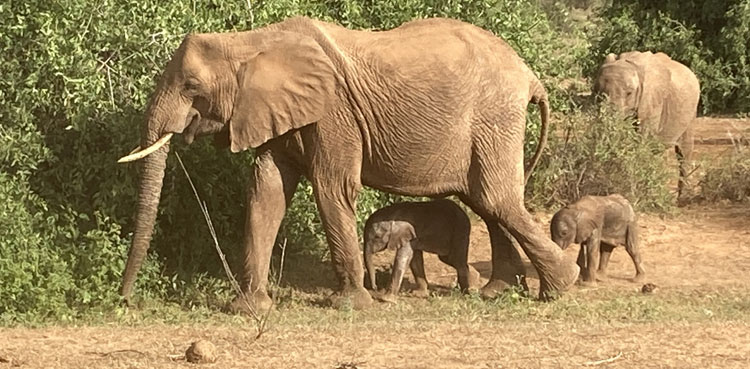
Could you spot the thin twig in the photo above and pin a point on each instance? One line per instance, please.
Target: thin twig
(176, 357)
(227, 270)
(605, 361)
(264, 320)
(110, 353)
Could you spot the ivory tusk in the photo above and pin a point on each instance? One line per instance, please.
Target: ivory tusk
(135, 155)
(137, 148)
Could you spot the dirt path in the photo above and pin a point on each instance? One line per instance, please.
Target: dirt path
(407, 345)
(700, 247)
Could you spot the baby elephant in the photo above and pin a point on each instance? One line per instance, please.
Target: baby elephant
(598, 224)
(439, 227)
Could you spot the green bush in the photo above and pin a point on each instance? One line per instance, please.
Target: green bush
(598, 152)
(709, 37)
(76, 79)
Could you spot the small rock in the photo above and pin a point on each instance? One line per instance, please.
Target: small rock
(201, 352)
(648, 288)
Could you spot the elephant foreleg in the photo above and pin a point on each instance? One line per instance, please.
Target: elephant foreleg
(270, 189)
(403, 257)
(336, 203)
(591, 247)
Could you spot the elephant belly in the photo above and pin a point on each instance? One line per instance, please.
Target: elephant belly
(431, 173)
(433, 245)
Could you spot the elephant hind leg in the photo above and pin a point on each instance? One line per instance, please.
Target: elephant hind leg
(417, 270)
(508, 220)
(684, 152)
(462, 269)
(556, 273)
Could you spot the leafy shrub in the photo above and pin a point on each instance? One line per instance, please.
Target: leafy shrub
(76, 79)
(598, 152)
(729, 179)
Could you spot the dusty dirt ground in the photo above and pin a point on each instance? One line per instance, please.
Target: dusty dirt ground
(702, 248)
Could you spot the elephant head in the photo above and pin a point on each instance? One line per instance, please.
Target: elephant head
(636, 83)
(563, 227)
(572, 224)
(382, 234)
(247, 88)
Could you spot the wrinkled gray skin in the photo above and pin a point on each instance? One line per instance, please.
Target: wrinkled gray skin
(661, 92)
(434, 107)
(598, 224)
(439, 227)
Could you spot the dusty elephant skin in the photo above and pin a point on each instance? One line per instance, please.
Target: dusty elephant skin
(598, 224)
(662, 93)
(438, 227)
(431, 108)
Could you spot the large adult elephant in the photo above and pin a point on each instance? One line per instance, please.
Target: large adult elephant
(432, 108)
(662, 93)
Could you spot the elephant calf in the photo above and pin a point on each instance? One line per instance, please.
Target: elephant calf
(439, 227)
(594, 221)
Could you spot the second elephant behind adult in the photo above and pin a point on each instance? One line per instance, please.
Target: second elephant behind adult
(663, 93)
(440, 227)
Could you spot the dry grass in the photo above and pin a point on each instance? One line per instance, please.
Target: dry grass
(406, 345)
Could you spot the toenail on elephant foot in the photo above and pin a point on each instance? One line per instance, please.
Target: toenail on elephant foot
(587, 283)
(552, 285)
(357, 299)
(251, 304)
(421, 293)
(389, 298)
(494, 287)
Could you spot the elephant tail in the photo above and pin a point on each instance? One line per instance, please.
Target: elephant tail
(541, 100)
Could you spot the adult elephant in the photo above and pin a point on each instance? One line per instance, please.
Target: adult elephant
(431, 108)
(662, 93)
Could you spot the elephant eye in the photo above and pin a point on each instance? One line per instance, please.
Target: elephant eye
(191, 86)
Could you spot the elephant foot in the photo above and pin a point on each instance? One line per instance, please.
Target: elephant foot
(421, 293)
(251, 304)
(588, 283)
(357, 299)
(389, 298)
(493, 288)
(553, 284)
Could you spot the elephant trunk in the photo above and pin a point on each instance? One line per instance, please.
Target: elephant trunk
(149, 191)
(370, 268)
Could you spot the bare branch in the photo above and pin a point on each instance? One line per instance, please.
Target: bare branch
(605, 361)
(227, 270)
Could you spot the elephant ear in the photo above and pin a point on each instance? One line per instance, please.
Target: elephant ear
(286, 85)
(586, 225)
(655, 82)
